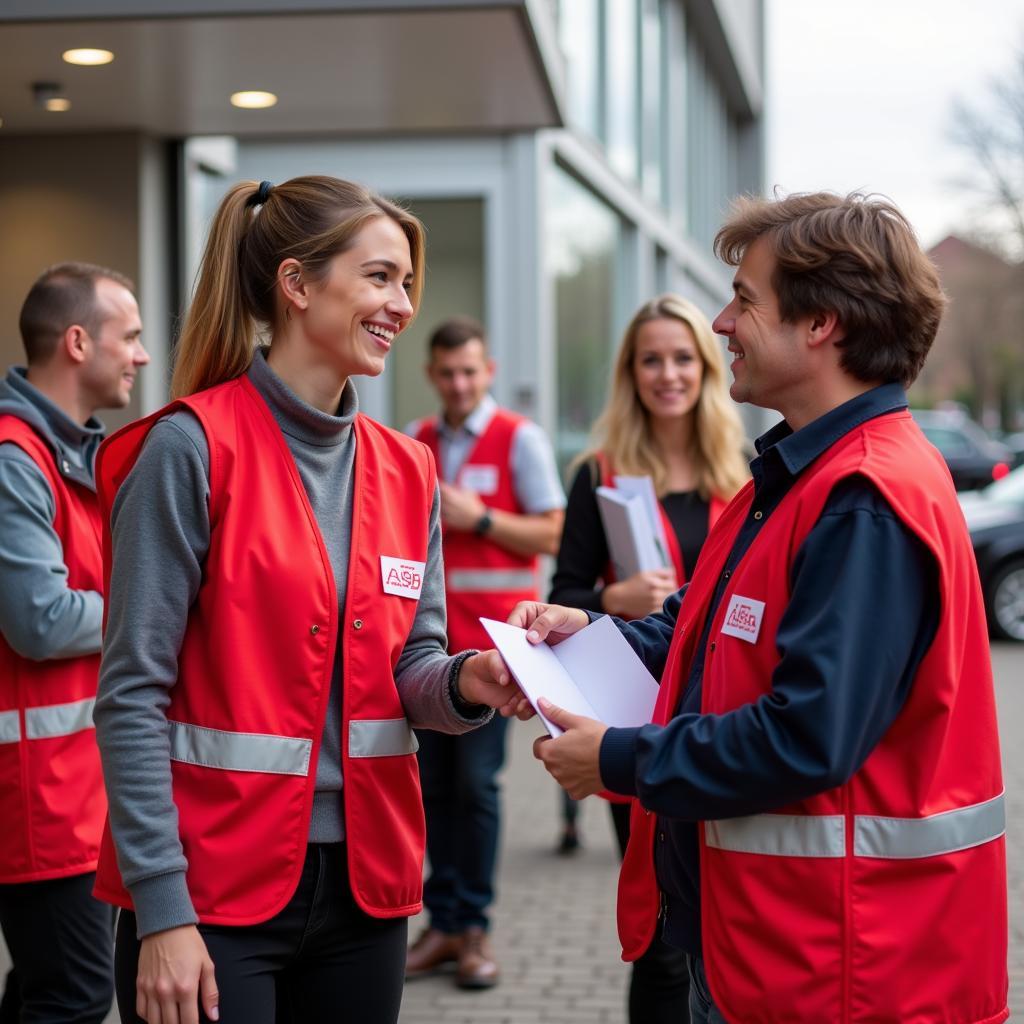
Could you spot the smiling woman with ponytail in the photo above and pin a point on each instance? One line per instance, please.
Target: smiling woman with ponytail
(275, 631)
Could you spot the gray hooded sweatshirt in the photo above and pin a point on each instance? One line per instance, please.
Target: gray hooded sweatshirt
(41, 617)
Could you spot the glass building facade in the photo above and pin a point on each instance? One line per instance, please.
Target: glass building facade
(570, 158)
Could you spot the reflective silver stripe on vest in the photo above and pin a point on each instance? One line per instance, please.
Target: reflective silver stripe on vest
(382, 737)
(785, 835)
(907, 838)
(10, 726)
(490, 579)
(239, 751)
(780, 835)
(58, 719)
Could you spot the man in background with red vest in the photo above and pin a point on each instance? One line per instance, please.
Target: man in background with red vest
(819, 821)
(501, 506)
(81, 331)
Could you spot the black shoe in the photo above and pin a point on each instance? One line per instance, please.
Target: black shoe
(569, 843)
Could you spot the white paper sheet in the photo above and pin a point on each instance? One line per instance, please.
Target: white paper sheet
(593, 673)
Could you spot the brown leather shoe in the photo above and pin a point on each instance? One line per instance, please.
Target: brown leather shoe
(432, 950)
(477, 967)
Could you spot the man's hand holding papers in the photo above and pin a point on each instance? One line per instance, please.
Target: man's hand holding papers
(619, 687)
(548, 622)
(574, 757)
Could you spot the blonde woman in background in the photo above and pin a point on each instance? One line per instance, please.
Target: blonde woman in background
(669, 417)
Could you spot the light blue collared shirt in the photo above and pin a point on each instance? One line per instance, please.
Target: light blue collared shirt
(534, 474)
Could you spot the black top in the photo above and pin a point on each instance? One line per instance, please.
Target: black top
(583, 554)
(850, 642)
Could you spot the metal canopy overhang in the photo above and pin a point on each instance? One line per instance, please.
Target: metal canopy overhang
(337, 68)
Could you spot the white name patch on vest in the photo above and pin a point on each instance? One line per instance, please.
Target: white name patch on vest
(743, 618)
(402, 576)
(480, 479)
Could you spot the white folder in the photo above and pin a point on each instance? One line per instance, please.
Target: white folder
(632, 541)
(644, 486)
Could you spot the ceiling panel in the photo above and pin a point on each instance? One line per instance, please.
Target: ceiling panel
(395, 71)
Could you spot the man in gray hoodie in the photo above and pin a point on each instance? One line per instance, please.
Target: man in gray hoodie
(81, 331)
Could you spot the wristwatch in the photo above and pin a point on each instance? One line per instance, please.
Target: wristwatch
(484, 523)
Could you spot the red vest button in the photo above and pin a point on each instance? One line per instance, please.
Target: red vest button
(358, 624)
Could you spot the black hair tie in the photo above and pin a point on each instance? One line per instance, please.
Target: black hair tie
(261, 195)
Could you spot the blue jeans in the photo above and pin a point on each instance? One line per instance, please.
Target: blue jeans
(702, 1006)
(460, 799)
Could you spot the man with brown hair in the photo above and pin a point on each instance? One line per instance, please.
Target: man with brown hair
(81, 331)
(819, 819)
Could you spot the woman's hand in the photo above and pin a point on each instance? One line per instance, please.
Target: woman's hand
(640, 594)
(484, 678)
(175, 971)
(550, 622)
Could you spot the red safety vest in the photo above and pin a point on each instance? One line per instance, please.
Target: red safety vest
(254, 673)
(481, 577)
(52, 803)
(883, 899)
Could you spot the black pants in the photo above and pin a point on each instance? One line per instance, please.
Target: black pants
(321, 959)
(463, 811)
(659, 984)
(61, 944)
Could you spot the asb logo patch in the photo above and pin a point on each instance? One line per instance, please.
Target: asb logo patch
(481, 479)
(402, 576)
(743, 618)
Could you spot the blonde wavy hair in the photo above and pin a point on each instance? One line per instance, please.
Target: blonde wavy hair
(623, 433)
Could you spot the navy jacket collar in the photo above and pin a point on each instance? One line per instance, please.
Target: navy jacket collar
(798, 449)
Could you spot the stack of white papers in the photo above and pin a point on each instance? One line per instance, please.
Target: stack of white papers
(633, 526)
(593, 673)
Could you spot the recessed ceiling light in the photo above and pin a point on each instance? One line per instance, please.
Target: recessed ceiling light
(58, 103)
(253, 99)
(88, 57)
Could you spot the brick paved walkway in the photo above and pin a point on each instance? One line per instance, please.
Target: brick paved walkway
(554, 924)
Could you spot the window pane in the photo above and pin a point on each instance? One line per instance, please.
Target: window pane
(711, 148)
(579, 32)
(582, 239)
(652, 92)
(623, 87)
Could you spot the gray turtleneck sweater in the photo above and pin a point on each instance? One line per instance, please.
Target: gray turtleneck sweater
(41, 617)
(161, 533)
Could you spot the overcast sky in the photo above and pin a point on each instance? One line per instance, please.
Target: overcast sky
(859, 96)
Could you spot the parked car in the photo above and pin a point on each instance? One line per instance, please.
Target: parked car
(995, 518)
(973, 458)
(1015, 442)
